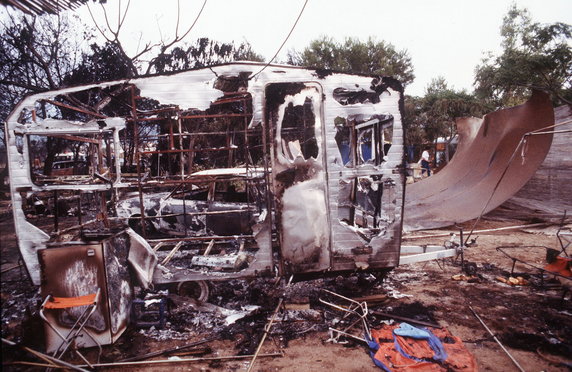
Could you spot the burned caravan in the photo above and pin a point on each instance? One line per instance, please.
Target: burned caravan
(230, 171)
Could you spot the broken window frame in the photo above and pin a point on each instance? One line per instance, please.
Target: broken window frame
(106, 171)
(181, 179)
(378, 128)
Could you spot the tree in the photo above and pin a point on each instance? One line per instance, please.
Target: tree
(433, 116)
(37, 54)
(168, 55)
(534, 56)
(203, 52)
(353, 55)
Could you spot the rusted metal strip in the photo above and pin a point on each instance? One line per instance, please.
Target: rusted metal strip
(168, 351)
(201, 238)
(231, 100)
(196, 213)
(206, 116)
(251, 132)
(174, 151)
(83, 111)
(10, 268)
(75, 138)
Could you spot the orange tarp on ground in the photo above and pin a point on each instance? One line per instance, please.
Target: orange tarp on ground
(458, 357)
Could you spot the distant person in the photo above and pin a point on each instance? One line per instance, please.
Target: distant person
(425, 167)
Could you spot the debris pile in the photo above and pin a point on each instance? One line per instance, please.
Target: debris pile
(519, 280)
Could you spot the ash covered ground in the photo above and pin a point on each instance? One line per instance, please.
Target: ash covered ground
(533, 322)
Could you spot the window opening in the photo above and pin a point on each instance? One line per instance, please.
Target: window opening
(64, 158)
(298, 131)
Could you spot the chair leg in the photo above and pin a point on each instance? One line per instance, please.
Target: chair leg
(77, 329)
(97, 343)
(84, 358)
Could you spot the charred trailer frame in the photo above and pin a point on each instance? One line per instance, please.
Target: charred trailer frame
(231, 171)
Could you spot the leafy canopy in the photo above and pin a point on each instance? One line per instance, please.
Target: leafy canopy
(354, 55)
(534, 56)
(433, 115)
(204, 52)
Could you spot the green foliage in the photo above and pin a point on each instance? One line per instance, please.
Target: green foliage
(534, 56)
(432, 116)
(353, 55)
(103, 62)
(204, 52)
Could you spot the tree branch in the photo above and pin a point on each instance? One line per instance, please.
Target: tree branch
(39, 59)
(33, 88)
(97, 25)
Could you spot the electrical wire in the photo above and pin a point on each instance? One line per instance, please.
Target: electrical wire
(523, 143)
(284, 42)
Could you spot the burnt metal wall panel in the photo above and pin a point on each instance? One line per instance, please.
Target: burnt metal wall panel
(78, 270)
(118, 281)
(70, 272)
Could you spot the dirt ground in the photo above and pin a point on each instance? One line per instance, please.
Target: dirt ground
(532, 322)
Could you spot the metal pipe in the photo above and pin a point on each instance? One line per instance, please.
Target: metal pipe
(228, 238)
(46, 357)
(181, 360)
(408, 320)
(478, 231)
(497, 340)
(347, 334)
(267, 327)
(266, 330)
(541, 269)
(138, 161)
(172, 350)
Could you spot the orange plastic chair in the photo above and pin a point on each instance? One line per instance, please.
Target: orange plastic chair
(56, 303)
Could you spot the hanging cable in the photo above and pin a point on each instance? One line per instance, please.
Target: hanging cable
(284, 42)
(521, 145)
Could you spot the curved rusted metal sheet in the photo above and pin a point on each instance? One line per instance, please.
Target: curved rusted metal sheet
(461, 190)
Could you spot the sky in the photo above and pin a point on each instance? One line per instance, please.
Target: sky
(443, 37)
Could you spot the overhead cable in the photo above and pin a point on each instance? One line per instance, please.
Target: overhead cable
(284, 42)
